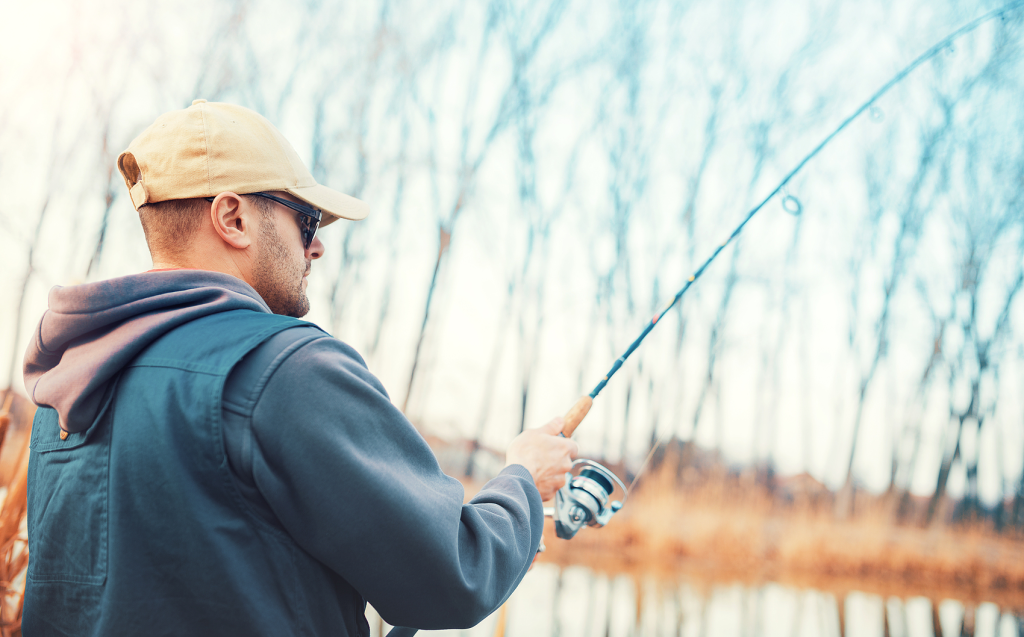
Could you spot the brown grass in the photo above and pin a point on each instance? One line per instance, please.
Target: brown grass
(722, 528)
(15, 428)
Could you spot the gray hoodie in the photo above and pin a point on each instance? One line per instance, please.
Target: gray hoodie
(315, 445)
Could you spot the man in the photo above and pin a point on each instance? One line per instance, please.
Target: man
(204, 464)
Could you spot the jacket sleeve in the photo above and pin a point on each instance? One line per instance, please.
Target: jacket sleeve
(357, 487)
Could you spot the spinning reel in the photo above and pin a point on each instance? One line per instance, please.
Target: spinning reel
(585, 500)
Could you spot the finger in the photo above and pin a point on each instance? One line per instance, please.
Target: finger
(554, 427)
(574, 448)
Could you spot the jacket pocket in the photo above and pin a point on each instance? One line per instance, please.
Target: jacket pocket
(67, 502)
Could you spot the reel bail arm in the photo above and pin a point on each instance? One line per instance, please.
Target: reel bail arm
(586, 498)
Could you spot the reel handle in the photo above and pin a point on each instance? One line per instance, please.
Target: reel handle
(574, 416)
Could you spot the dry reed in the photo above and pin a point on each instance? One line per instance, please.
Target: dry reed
(721, 528)
(15, 427)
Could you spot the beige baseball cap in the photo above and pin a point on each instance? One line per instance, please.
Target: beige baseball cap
(213, 147)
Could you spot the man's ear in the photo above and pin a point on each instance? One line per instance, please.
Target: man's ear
(232, 221)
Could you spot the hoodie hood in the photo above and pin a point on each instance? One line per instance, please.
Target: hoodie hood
(90, 332)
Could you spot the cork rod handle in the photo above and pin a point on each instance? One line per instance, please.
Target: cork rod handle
(574, 416)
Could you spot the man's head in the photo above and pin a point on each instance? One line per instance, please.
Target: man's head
(218, 188)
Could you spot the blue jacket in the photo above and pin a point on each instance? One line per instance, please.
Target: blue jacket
(243, 473)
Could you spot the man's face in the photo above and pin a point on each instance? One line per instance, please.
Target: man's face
(279, 274)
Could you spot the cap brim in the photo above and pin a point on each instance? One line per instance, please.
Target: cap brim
(334, 204)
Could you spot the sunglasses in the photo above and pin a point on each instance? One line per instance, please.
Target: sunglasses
(309, 219)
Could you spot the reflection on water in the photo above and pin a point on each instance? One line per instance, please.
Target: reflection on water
(576, 602)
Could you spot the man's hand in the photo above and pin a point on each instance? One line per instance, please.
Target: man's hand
(545, 454)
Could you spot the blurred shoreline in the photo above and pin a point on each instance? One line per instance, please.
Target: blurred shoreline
(725, 533)
(708, 525)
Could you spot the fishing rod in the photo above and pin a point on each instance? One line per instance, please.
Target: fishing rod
(586, 498)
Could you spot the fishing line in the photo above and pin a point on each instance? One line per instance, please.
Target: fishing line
(790, 204)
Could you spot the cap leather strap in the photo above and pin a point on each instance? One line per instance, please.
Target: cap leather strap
(138, 194)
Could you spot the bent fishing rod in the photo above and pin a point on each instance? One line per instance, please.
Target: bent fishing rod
(586, 498)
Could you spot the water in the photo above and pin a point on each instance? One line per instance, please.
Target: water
(577, 602)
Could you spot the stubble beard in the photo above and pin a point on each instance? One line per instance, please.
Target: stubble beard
(276, 278)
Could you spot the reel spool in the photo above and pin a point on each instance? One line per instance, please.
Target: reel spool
(585, 500)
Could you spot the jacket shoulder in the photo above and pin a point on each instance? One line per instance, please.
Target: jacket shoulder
(216, 342)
